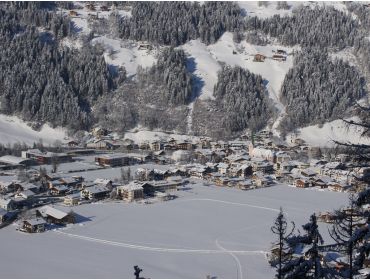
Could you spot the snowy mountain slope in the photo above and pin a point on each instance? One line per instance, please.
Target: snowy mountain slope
(13, 130)
(251, 8)
(125, 53)
(323, 136)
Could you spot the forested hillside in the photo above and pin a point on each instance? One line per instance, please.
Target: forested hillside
(318, 89)
(39, 80)
(64, 63)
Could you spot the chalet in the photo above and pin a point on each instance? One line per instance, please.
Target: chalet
(150, 187)
(172, 142)
(301, 183)
(56, 215)
(7, 204)
(321, 182)
(104, 182)
(262, 166)
(221, 180)
(184, 145)
(27, 194)
(279, 57)
(244, 171)
(94, 192)
(33, 225)
(132, 191)
(73, 13)
(104, 144)
(337, 187)
(198, 172)
(223, 168)
(71, 182)
(245, 185)
(263, 181)
(72, 199)
(259, 57)
(59, 190)
(156, 145)
(144, 145)
(308, 173)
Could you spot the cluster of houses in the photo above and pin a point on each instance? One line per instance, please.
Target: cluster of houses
(278, 55)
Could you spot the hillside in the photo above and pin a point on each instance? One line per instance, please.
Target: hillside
(127, 82)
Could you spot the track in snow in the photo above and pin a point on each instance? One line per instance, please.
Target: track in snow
(235, 203)
(158, 249)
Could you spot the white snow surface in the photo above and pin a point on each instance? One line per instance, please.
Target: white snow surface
(323, 136)
(213, 231)
(13, 130)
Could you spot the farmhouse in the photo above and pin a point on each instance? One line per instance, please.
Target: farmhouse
(132, 191)
(33, 225)
(55, 215)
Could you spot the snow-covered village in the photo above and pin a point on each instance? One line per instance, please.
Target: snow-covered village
(185, 140)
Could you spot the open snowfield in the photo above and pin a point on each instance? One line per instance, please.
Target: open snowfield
(13, 130)
(206, 231)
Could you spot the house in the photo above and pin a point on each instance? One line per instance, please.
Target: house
(144, 46)
(156, 145)
(120, 159)
(95, 192)
(73, 13)
(16, 161)
(337, 187)
(184, 145)
(321, 182)
(223, 168)
(72, 199)
(59, 190)
(104, 182)
(150, 187)
(279, 57)
(282, 52)
(7, 204)
(245, 185)
(33, 225)
(27, 194)
(132, 191)
(56, 215)
(259, 57)
(301, 183)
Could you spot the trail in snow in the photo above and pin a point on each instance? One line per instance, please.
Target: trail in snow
(234, 203)
(158, 249)
(239, 271)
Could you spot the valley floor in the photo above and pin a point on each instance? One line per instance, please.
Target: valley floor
(207, 230)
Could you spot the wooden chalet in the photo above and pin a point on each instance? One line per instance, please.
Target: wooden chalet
(33, 225)
(56, 216)
(302, 183)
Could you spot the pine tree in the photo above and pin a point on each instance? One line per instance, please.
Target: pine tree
(280, 228)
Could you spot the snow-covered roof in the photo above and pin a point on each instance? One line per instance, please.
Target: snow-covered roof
(97, 189)
(132, 186)
(53, 212)
(35, 222)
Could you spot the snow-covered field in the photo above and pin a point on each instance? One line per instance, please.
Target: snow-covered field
(13, 130)
(206, 231)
